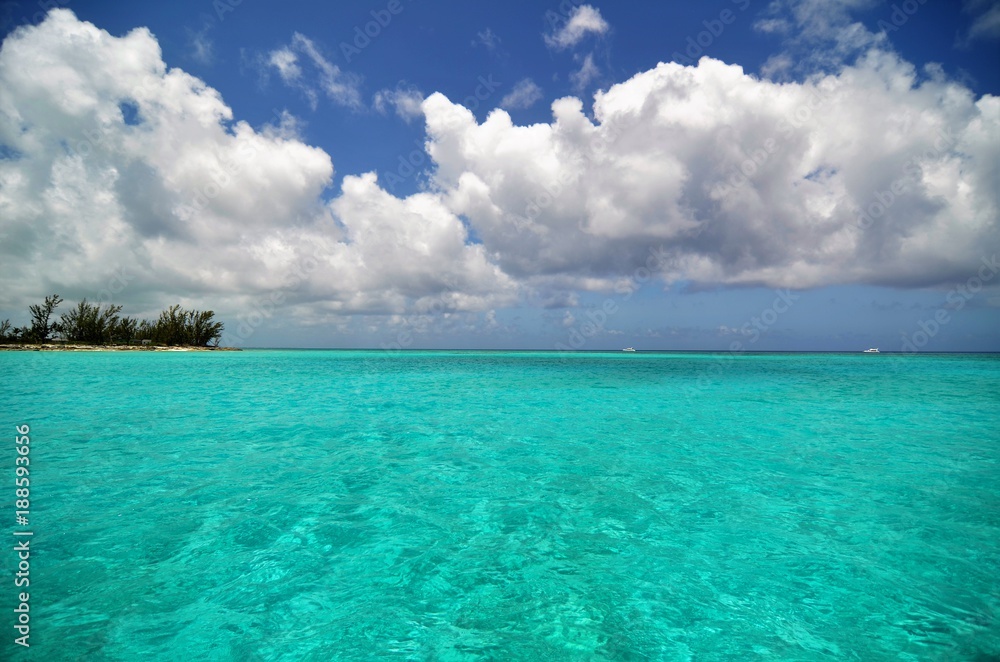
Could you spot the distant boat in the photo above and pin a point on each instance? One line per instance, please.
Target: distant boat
(632, 349)
(871, 350)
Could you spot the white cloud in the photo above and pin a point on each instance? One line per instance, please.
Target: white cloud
(587, 73)
(406, 101)
(176, 200)
(200, 208)
(772, 26)
(591, 201)
(525, 94)
(202, 48)
(583, 20)
(411, 248)
(192, 206)
(487, 38)
(986, 24)
(287, 64)
(777, 67)
(340, 87)
(821, 35)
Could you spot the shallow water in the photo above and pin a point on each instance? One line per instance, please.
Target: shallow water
(317, 505)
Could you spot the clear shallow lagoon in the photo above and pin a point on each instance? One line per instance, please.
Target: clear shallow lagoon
(320, 505)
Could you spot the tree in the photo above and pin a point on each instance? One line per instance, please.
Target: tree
(125, 330)
(146, 331)
(171, 327)
(90, 324)
(177, 326)
(201, 329)
(40, 314)
(107, 322)
(100, 324)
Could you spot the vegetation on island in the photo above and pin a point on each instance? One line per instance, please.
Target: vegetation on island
(103, 324)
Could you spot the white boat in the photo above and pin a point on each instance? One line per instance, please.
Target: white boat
(871, 350)
(629, 349)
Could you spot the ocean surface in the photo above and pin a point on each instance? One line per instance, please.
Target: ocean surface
(350, 505)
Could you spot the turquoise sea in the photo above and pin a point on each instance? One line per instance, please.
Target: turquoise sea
(351, 505)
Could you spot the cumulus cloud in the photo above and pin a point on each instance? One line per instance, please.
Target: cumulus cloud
(113, 163)
(173, 197)
(525, 94)
(583, 20)
(340, 87)
(413, 248)
(870, 175)
(184, 203)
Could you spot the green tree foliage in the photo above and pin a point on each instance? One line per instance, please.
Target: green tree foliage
(88, 323)
(41, 329)
(126, 330)
(7, 334)
(145, 331)
(177, 326)
(170, 328)
(97, 325)
(202, 328)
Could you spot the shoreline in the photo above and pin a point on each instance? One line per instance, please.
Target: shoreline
(75, 347)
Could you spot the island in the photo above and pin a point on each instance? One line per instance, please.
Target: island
(102, 327)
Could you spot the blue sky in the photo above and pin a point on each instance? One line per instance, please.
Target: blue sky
(322, 186)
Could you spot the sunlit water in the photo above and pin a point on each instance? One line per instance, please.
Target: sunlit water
(329, 505)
